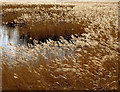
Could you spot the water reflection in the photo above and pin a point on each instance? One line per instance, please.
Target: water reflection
(9, 37)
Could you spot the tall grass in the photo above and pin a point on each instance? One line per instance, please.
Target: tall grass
(88, 61)
(43, 21)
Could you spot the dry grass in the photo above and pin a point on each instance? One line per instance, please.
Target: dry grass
(43, 21)
(87, 62)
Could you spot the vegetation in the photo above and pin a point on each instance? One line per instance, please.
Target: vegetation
(88, 61)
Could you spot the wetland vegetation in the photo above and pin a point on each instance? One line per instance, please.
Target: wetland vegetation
(68, 46)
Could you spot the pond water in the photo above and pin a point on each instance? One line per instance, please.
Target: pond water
(9, 37)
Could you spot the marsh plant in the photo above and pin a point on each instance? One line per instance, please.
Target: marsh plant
(89, 60)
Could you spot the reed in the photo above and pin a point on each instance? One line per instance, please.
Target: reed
(87, 62)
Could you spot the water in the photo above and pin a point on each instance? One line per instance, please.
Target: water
(9, 38)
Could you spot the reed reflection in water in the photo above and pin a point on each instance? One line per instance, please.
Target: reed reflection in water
(9, 38)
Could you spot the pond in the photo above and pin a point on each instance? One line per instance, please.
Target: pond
(9, 37)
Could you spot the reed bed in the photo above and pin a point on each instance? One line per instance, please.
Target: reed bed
(88, 61)
(52, 20)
